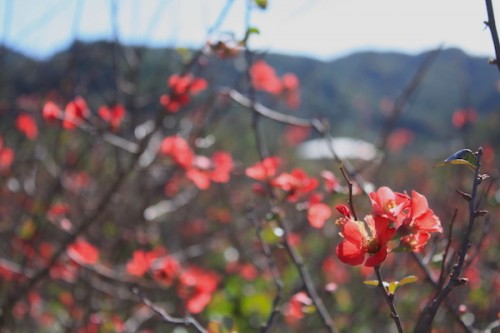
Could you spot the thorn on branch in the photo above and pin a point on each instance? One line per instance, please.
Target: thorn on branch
(478, 213)
(464, 195)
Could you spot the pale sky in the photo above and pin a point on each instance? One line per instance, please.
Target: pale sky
(323, 29)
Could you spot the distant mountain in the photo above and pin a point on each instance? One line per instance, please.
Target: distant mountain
(350, 91)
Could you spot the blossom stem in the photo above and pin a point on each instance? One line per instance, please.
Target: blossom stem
(390, 300)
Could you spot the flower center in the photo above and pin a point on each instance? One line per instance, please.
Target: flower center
(371, 245)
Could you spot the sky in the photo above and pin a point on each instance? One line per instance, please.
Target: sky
(323, 29)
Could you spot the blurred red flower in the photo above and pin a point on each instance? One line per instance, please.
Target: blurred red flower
(112, 115)
(265, 169)
(27, 125)
(83, 252)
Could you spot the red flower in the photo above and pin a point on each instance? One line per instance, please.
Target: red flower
(196, 286)
(140, 263)
(464, 117)
(420, 222)
(294, 309)
(265, 169)
(295, 183)
(264, 77)
(178, 149)
(388, 204)
(331, 183)
(181, 88)
(359, 242)
(166, 269)
(27, 125)
(76, 111)
(112, 115)
(290, 90)
(205, 170)
(83, 252)
(317, 214)
(6, 156)
(51, 112)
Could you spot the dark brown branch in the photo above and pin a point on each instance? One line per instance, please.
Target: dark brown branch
(424, 323)
(494, 33)
(445, 254)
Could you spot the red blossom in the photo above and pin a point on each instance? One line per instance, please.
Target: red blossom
(264, 77)
(359, 241)
(419, 223)
(140, 263)
(389, 204)
(331, 183)
(51, 112)
(317, 214)
(399, 139)
(112, 115)
(181, 88)
(6, 156)
(265, 169)
(166, 269)
(27, 125)
(196, 286)
(74, 113)
(464, 117)
(179, 150)
(205, 170)
(295, 183)
(83, 252)
(294, 309)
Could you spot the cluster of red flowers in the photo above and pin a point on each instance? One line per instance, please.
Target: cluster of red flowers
(77, 111)
(181, 87)
(295, 184)
(264, 78)
(193, 284)
(464, 117)
(201, 170)
(394, 216)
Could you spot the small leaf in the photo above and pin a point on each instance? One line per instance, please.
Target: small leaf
(408, 279)
(392, 287)
(372, 283)
(462, 157)
(261, 3)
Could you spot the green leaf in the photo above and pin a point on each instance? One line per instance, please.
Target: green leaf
(408, 279)
(372, 283)
(261, 3)
(392, 287)
(462, 157)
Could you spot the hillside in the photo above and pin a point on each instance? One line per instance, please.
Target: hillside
(349, 91)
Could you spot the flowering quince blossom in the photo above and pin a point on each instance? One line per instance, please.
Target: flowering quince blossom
(317, 214)
(295, 183)
(6, 156)
(265, 169)
(112, 115)
(27, 125)
(294, 309)
(72, 116)
(388, 204)
(74, 113)
(419, 223)
(196, 286)
(179, 150)
(393, 215)
(181, 88)
(83, 252)
(359, 241)
(205, 170)
(264, 78)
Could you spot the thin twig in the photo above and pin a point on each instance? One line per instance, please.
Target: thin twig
(186, 321)
(445, 254)
(493, 30)
(349, 184)
(389, 298)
